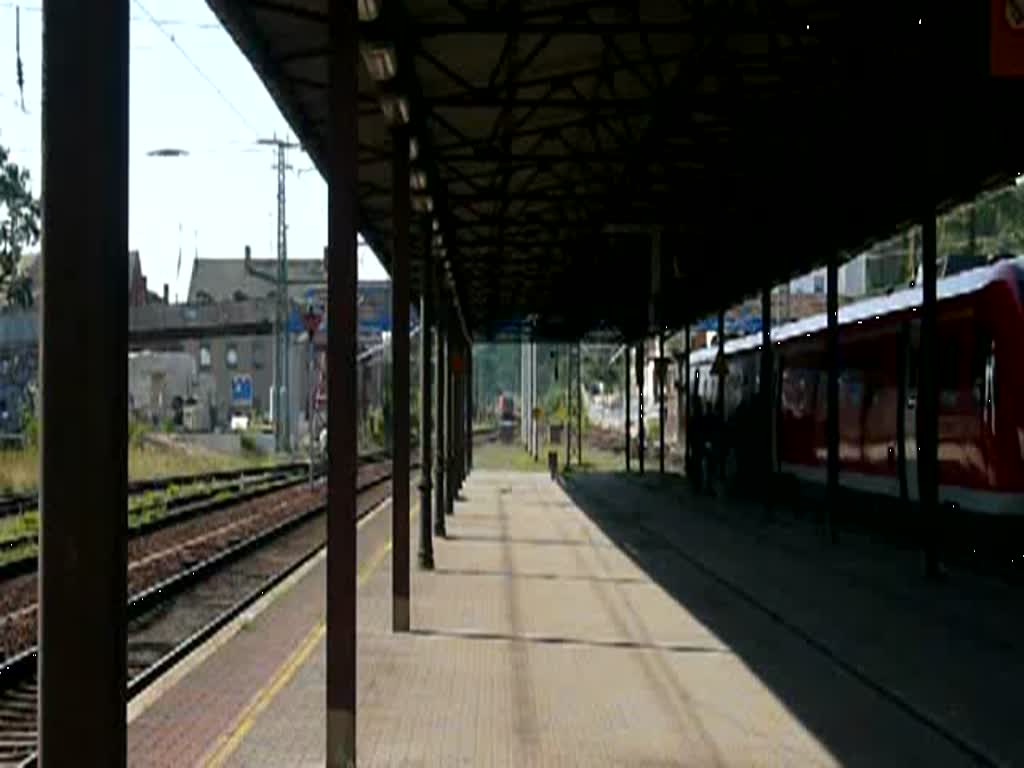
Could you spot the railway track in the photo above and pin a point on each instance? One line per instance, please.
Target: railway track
(16, 504)
(169, 619)
(167, 511)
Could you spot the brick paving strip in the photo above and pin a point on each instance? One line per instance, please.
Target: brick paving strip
(185, 715)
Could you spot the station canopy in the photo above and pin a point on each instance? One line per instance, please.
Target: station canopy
(609, 168)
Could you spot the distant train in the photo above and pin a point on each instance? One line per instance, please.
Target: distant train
(981, 393)
(506, 408)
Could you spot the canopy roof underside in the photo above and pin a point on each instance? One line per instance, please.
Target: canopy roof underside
(571, 149)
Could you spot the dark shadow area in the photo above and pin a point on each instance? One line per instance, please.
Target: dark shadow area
(475, 538)
(554, 640)
(539, 576)
(749, 628)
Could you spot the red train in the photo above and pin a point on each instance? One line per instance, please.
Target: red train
(981, 393)
(506, 408)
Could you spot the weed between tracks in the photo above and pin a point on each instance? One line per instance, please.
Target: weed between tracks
(19, 470)
(143, 509)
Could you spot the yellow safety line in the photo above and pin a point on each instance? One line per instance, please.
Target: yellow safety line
(287, 670)
(262, 699)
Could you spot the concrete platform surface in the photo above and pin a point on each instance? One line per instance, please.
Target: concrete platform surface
(570, 626)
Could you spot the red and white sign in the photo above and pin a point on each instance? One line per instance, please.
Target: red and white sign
(1007, 38)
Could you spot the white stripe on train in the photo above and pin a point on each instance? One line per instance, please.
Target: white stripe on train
(971, 499)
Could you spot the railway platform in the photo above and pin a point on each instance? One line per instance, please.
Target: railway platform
(614, 620)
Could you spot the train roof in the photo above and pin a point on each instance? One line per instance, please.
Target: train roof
(961, 284)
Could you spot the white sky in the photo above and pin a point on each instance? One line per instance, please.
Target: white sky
(220, 197)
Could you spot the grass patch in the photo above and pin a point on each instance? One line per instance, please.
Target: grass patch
(20, 552)
(513, 458)
(19, 470)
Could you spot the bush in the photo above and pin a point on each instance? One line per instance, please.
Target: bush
(31, 430)
(137, 431)
(248, 444)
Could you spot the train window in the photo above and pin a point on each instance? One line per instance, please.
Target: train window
(851, 384)
(204, 356)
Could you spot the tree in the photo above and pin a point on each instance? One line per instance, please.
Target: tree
(19, 230)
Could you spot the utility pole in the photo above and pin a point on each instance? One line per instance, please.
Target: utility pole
(282, 412)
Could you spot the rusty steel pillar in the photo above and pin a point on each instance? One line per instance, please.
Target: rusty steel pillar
(625, 357)
(440, 450)
(342, 274)
(641, 370)
(661, 402)
(832, 413)
(83, 370)
(928, 401)
(400, 533)
(426, 550)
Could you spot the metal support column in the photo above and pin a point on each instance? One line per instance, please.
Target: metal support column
(579, 405)
(401, 207)
(470, 412)
(84, 462)
(458, 417)
(641, 376)
(426, 553)
(718, 446)
(832, 419)
(535, 438)
(766, 388)
(449, 417)
(661, 402)
(626, 389)
(687, 455)
(440, 455)
(928, 401)
(342, 275)
(522, 394)
(568, 406)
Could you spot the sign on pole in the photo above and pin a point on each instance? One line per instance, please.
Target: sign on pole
(241, 389)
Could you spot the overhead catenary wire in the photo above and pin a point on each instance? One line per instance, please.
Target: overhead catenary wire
(160, 26)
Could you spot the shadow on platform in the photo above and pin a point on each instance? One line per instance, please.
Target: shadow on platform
(624, 510)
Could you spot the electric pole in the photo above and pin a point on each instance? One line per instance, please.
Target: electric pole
(282, 380)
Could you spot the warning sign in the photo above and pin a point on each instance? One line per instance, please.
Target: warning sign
(1007, 38)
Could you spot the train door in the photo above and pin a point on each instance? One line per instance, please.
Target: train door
(908, 408)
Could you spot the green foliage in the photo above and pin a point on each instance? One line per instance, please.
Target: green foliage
(30, 429)
(19, 229)
(375, 426)
(248, 444)
(137, 431)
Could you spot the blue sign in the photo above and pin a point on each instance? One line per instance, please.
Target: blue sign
(744, 325)
(241, 389)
